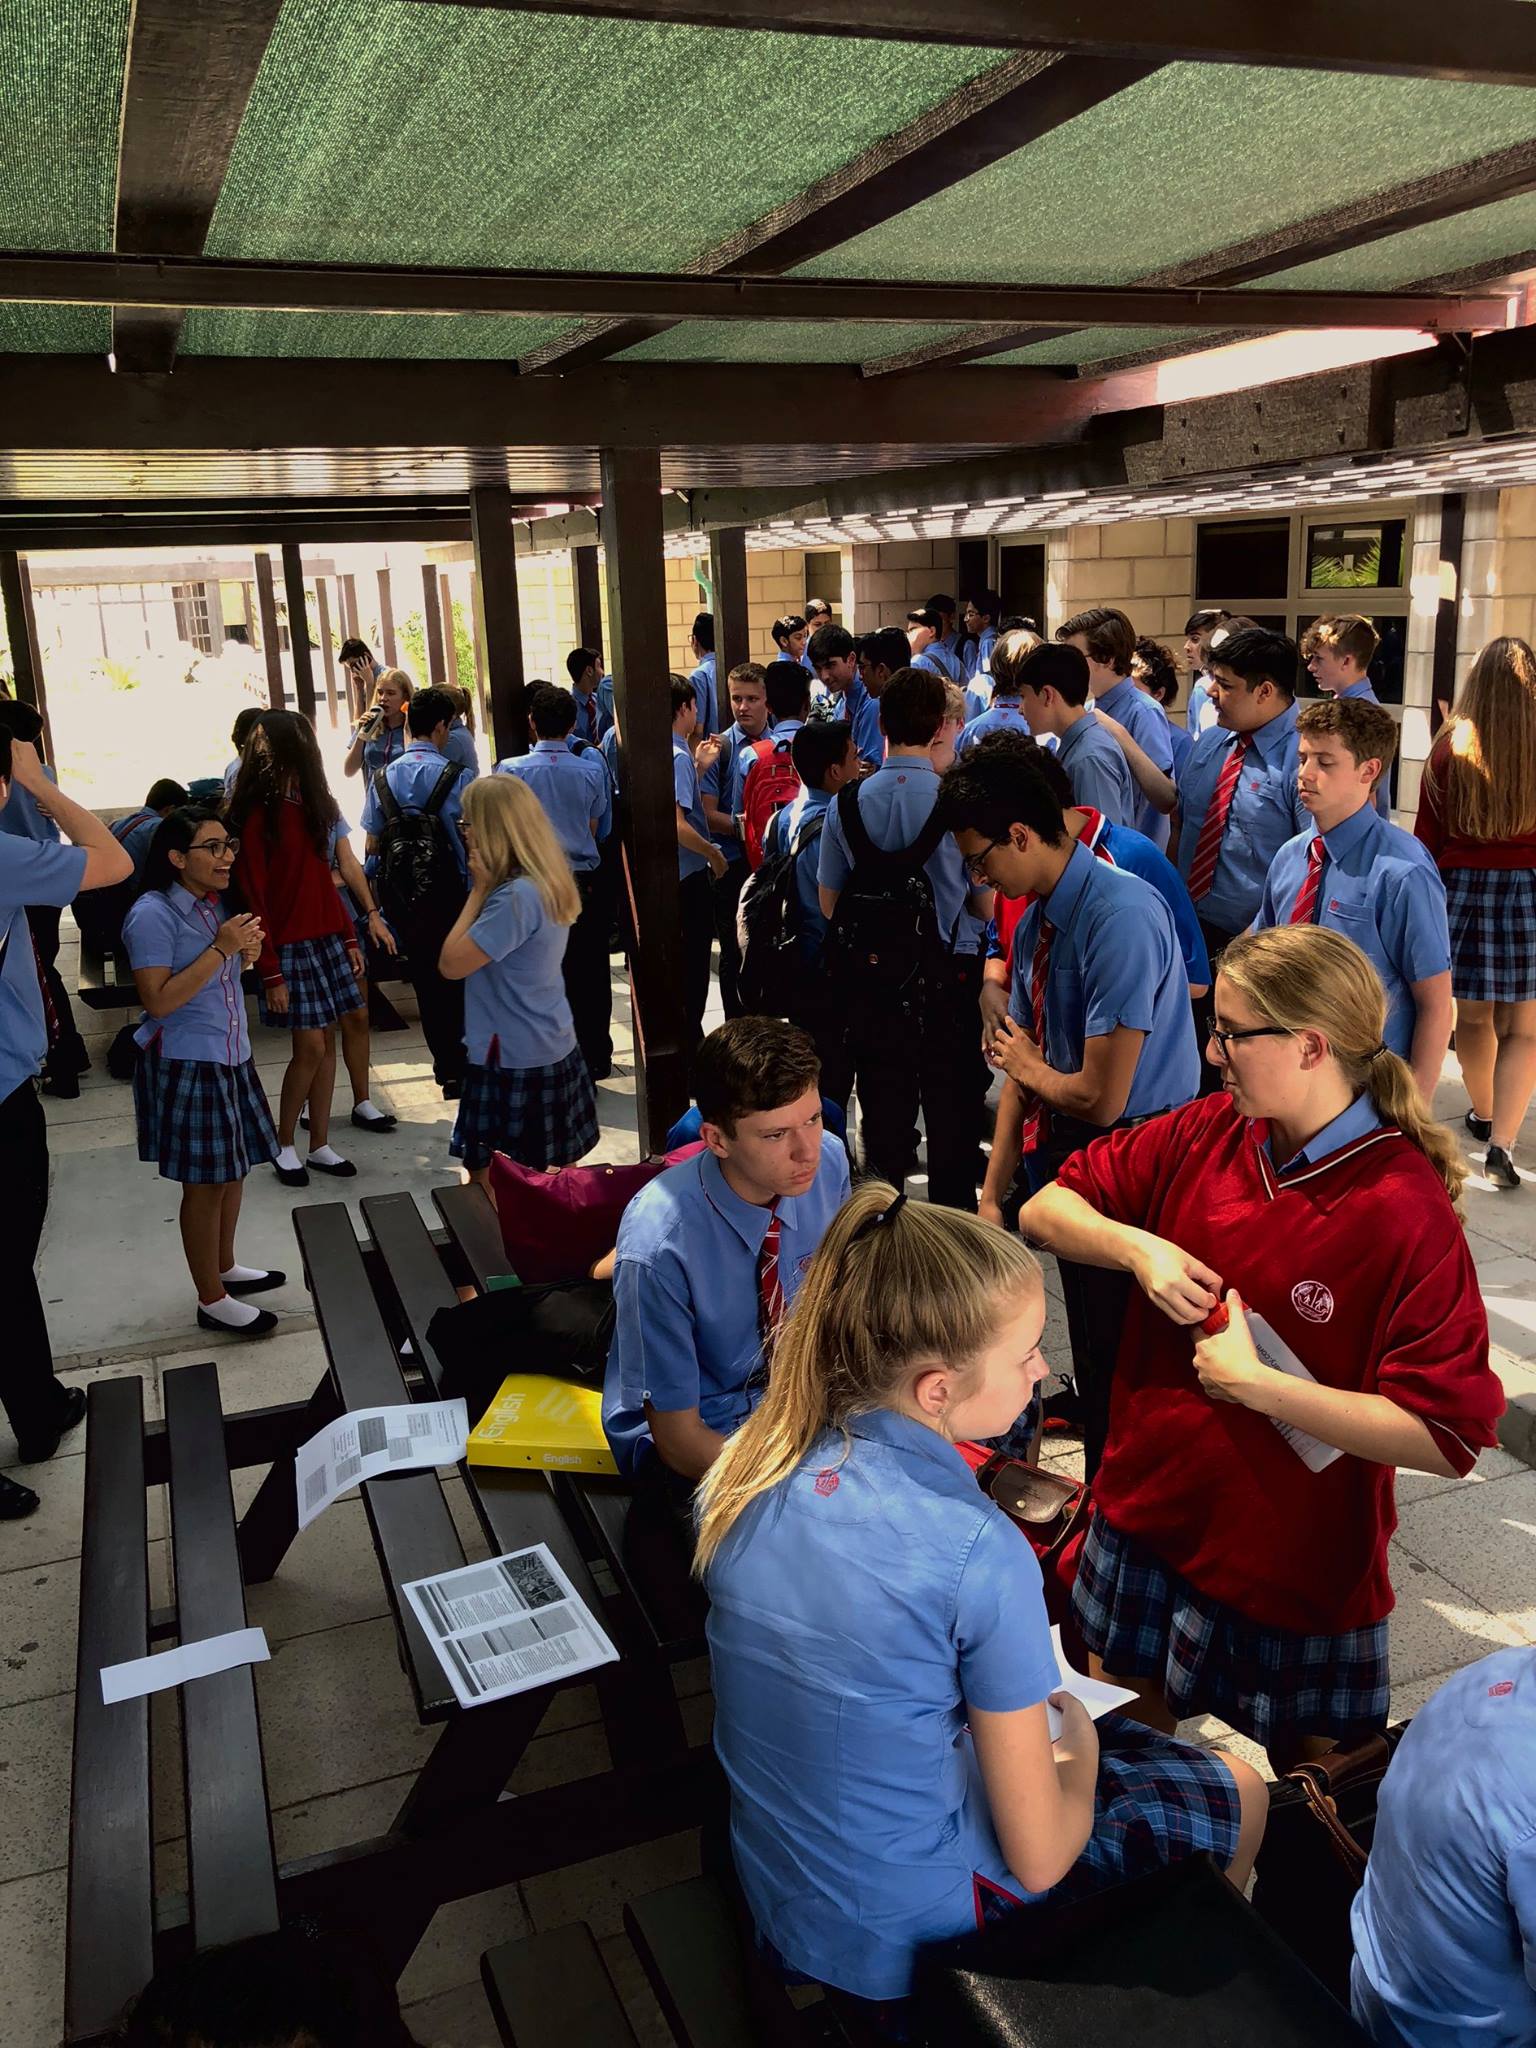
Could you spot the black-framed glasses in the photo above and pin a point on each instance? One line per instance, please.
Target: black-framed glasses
(217, 847)
(1228, 1038)
(976, 863)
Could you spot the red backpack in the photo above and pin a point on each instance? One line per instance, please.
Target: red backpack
(771, 782)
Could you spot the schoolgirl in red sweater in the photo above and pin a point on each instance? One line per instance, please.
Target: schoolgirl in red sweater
(1236, 1563)
(310, 967)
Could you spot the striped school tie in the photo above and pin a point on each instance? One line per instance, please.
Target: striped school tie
(1304, 909)
(770, 1289)
(1202, 869)
(1036, 1127)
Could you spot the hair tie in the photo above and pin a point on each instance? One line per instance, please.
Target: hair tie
(1376, 1055)
(887, 1215)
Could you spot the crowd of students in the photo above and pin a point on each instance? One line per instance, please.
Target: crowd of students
(1216, 985)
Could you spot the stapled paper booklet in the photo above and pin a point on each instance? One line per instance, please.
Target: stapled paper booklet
(508, 1624)
(368, 1441)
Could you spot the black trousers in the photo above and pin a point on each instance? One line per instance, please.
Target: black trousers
(726, 895)
(587, 986)
(1204, 1007)
(440, 1002)
(28, 1390)
(899, 1070)
(696, 900)
(830, 1033)
(70, 1050)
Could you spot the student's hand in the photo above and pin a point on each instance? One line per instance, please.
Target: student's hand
(707, 752)
(26, 768)
(994, 1008)
(1016, 1053)
(355, 961)
(1185, 1290)
(990, 1212)
(381, 934)
(717, 862)
(1228, 1365)
(1078, 1741)
(1111, 726)
(479, 873)
(277, 998)
(237, 934)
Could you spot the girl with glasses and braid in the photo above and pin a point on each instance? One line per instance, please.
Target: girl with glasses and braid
(1306, 1317)
(881, 1656)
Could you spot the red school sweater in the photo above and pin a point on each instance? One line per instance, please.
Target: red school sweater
(1360, 1265)
(287, 884)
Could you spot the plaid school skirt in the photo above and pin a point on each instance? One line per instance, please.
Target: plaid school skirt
(321, 984)
(1145, 1621)
(1492, 916)
(202, 1124)
(539, 1116)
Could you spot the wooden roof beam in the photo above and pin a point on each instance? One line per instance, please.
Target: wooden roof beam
(1489, 42)
(297, 287)
(191, 67)
(1010, 105)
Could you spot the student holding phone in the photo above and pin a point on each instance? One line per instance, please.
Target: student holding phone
(1222, 1572)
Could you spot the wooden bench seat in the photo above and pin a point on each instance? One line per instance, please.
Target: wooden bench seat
(104, 981)
(714, 1992)
(552, 1990)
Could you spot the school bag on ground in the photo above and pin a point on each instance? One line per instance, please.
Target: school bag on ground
(775, 975)
(417, 872)
(884, 956)
(771, 785)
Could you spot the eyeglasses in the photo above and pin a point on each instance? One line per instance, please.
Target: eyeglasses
(976, 863)
(217, 847)
(1225, 1039)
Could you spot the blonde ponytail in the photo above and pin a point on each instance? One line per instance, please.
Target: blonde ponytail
(888, 1288)
(1306, 977)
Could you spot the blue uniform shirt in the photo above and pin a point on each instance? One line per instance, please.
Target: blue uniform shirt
(1445, 1926)
(1114, 960)
(1147, 723)
(604, 694)
(31, 871)
(976, 659)
(515, 1010)
(862, 712)
(1097, 769)
(784, 831)
(459, 747)
(22, 819)
(1002, 715)
(686, 1294)
(858, 1610)
(1357, 1121)
(979, 699)
(1381, 888)
(384, 747)
(943, 652)
(1266, 811)
(703, 681)
(169, 928)
(1183, 746)
(592, 721)
(412, 777)
(134, 833)
(895, 803)
(721, 783)
(609, 749)
(574, 790)
(685, 787)
(931, 660)
(1200, 711)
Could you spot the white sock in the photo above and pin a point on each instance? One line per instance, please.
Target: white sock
(288, 1160)
(368, 1110)
(235, 1314)
(233, 1275)
(323, 1155)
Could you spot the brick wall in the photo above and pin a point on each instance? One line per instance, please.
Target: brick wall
(884, 580)
(1514, 565)
(1143, 567)
(546, 599)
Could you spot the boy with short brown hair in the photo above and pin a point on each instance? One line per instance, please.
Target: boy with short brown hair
(1339, 648)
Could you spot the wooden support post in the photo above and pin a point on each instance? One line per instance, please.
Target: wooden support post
(432, 619)
(298, 629)
(482, 685)
(21, 631)
(498, 619)
(327, 651)
(271, 643)
(349, 608)
(450, 640)
(728, 574)
(637, 652)
(1453, 520)
(387, 623)
(586, 575)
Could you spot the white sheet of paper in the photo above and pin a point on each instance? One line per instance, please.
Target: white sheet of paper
(1274, 1350)
(507, 1625)
(367, 1441)
(1095, 1695)
(166, 1668)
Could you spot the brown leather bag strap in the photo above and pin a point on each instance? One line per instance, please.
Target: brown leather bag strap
(1323, 1780)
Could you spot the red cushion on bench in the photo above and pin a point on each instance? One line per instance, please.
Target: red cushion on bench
(556, 1226)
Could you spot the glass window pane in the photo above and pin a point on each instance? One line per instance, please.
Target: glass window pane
(1355, 555)
(1241, 559)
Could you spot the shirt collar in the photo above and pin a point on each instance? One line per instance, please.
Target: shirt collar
(1114, 695)
(813, 799)
(1360, 689)
(423, 747)
(1340, 840)
(183, 902)
(900, 764)
(551, 747)
(1270, 737)
(1074, 736)
(1358, 1121)
(1061, 905)
(916, 1440)
(749, 1222)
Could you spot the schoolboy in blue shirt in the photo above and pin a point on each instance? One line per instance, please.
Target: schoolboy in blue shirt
(946, 649)
(702, 643)
(1372, 881)
(1052, 683)
(1338, 652)
(33, 871)
(1004, 713)
(933, 1063)
(982, 613)
(699, 860)
(578, 801)
(789, 706)
(720, 781)
(923, 629)
(853, 673)
(826, 760)
(712, 1253)
(1099, 1033)
(1108, 640)
(29, 817)
(584, 666)
(790, 635)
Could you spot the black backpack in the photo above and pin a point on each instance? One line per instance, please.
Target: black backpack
(775, 977)
(417, 870)
(884, 954)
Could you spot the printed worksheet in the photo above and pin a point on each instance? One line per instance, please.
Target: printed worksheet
(367, 1441)
(511, 1623)
(1097, 1696)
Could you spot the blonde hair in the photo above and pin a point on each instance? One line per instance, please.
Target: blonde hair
(926, 1285)
(954, 702)
(1490, 776)
(399, 678)
(1305, 977)
(513, 836)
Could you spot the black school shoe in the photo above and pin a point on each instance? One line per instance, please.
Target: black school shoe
(263, 1326)
(291, 1177)
(343, 1169)
(1479, 1126)
(262, 1284)
(36, 1450)
(16, 1502)
(1500, 1168)
(379, 1125)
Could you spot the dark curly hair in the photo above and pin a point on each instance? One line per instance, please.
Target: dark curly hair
(1152, 664)
(281, 754)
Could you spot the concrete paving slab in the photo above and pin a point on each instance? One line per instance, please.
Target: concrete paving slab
(35, 1740)
(54, 1531)
(596, 1891)
(73, 1446)
(454, 2019)
(1484, 1542)
(634, 1987)
(1414, 1486)
(336, 1711)
(448, 1955)
(1436, 1626)
(32, 1914)
(39, 1614)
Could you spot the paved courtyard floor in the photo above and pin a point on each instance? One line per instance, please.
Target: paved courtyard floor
(342, 1740)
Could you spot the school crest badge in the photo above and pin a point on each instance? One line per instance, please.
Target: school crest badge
(1312, 1300)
